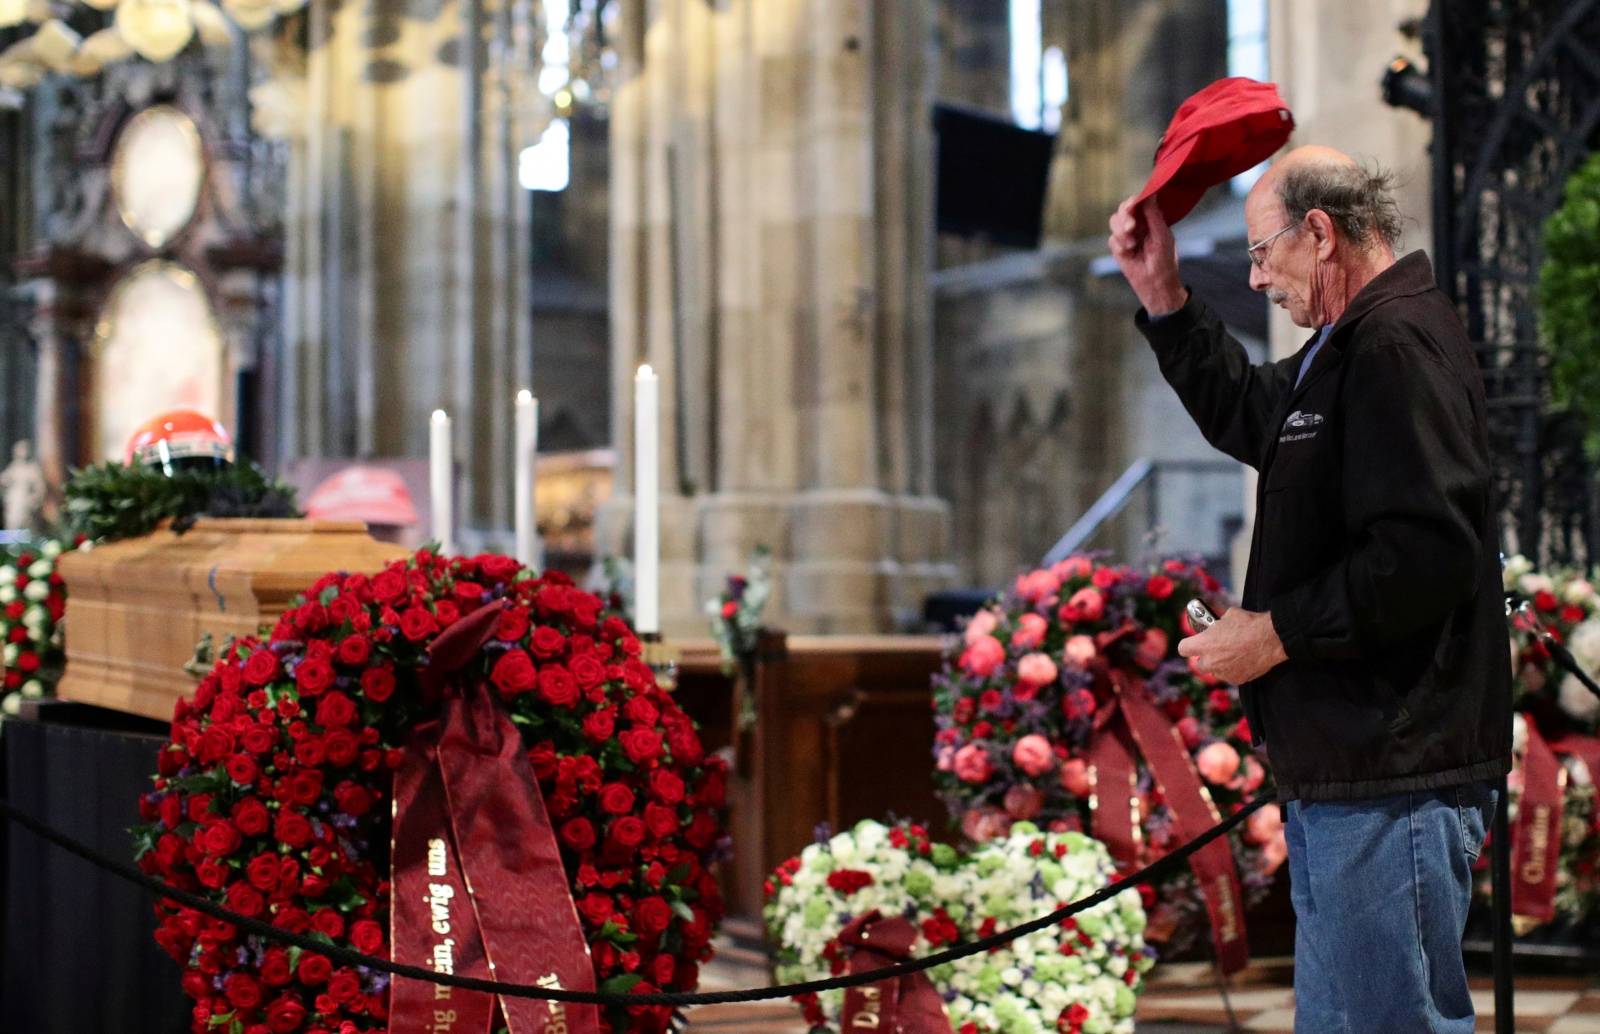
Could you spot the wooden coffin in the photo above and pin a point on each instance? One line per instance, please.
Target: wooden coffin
(137, 608)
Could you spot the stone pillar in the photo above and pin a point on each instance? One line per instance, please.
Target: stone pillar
(407, 239)
(771, 236)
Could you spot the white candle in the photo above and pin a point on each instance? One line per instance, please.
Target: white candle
(646, 503)
(441, 481)
(527, 462)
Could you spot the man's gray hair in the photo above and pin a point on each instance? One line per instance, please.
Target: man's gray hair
(1359, 199)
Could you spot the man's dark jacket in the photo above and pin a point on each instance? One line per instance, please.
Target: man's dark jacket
(1375, 545)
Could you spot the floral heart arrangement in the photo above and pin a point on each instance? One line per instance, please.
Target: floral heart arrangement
(274, 795)
(1084, 975)
(1020, 705)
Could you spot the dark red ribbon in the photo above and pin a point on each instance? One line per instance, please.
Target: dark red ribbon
(478, 884)
(1536, 839)
(1130, 719)
(906, 1005)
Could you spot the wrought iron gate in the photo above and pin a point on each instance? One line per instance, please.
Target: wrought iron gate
(1516, 95)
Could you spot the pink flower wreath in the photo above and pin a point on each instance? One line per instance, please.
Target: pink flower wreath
(273, 796)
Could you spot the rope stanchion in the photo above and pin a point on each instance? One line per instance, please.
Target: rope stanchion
(347, 957)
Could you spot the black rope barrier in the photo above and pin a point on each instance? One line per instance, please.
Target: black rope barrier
(348, 957)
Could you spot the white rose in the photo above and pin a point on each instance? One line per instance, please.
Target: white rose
(1578, 591)
(52, 549)
(1519, 733)
(36, 617)
(1578, 772)
(36, 591)
(10, 653)
(12, 704)
(1514, 568)
(1530, 584)
(33, 689)
(8, 593)
(1575, 699)
(8, 575)
(41, 569)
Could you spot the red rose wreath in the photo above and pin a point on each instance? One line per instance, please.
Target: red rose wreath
(274, 796)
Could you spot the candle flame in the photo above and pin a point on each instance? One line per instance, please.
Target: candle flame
(524, 396)
(439, 416)
(645, 371)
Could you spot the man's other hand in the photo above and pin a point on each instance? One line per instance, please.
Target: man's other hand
(1142, 244)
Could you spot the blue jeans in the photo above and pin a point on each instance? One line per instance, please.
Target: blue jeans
(1380, 890)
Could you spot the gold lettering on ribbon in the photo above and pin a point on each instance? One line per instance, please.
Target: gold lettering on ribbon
(557, 1010)
(1230, 927)
(444, 1021)
(443, 958)
(438, 857)
(870, 1015)
(1533, 869)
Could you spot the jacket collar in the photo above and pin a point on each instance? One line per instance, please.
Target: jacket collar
(1410, 275)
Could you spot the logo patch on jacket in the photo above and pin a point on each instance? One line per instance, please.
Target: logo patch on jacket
(1300, 426)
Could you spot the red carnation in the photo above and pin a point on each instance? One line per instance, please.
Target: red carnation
(335, 709)
(616, 799)
(641, 745)
(313, 676)
(314, 969)
(513, 673)
(651, 916)
(578, 834)
(367, 936)
(557, 687)
(261, 668)
(354, 650)
(547, 642)
(417, 624)
(377, 684)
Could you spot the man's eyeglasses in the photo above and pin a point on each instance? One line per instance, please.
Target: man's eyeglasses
(1258, 256)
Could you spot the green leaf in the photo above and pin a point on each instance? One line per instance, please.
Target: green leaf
(220, 1020)
(621, 984)
(683, 911)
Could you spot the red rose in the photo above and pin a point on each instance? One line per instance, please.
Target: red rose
(599, 726)
(310, 751)
(597, 908)
(211, 874)
(543, 759)
(588, 671)
(651, 916)
(285, 1014)
(557, 687)
(1242, 730)
(662, 820)
(335, 709)
(314, 969)
(245, 899)
(261, 668)
(242, 991)
(388, 586)
(641, 711)
(354, 650)
(275, 971)
(341, 747)
(220, 838)
(352, 799)
(305, 787)
(417, 624)
(262, 872)
(498, 567)
(616, 799)
(313, 676)
(686, 746)
(1221, 701)
(848, 881)
(345, 987)
(292, 828)
(662, 968)
(547, 642)
(1545, 600)
(1159, 586)
(512, 625)
(242, 769)
(513, 673)
(641, 745)
(216, 743)
(702, 831)
(329, 922)
(367, 936)
(627, 831)
(578, 834)
(666, 787)
(377, 684)
(259, 739)
(252, 817)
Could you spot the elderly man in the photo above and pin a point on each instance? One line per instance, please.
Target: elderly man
(1370, 643)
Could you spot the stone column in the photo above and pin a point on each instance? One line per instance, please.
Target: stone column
(407, 240)
(771, 230)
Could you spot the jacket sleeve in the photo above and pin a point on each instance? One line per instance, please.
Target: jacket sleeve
(1415, 485)
(1230, 400)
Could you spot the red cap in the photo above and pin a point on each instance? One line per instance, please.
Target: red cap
(1228, 127)
(360, 493)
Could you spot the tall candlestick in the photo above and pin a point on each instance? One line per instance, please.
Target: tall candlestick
(441, 482)
(646, 503)
(527, 465)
